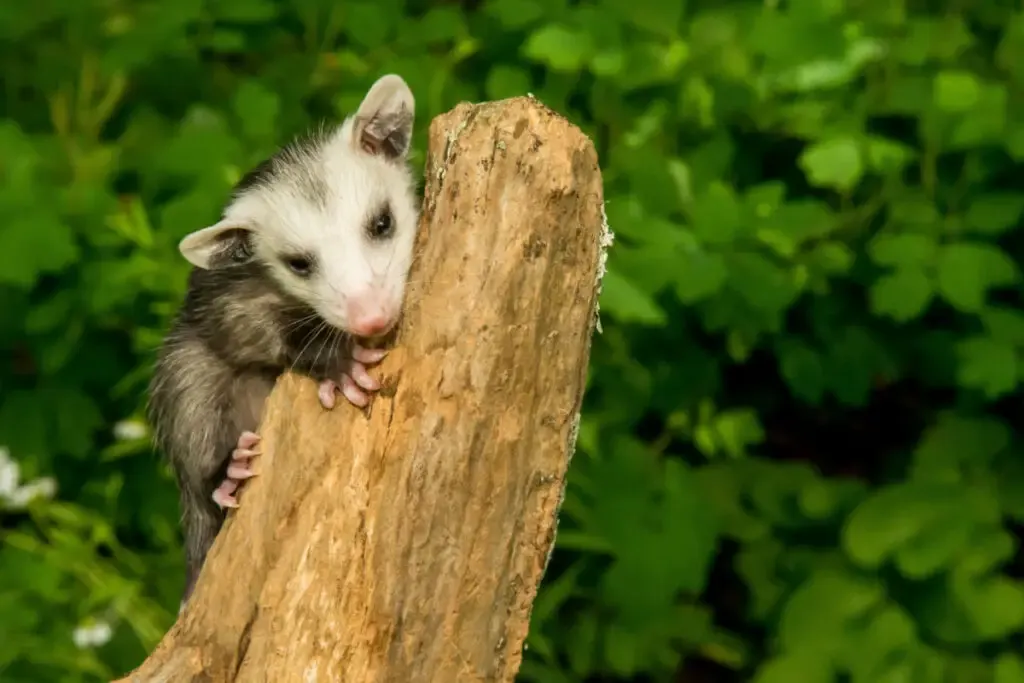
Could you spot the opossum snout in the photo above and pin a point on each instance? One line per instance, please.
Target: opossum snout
(370, 317)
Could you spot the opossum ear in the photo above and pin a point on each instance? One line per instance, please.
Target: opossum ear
(221, 244)
(383, 124)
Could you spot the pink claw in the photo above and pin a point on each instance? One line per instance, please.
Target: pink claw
(222, 495)
(356, 384)
(325, 392)
(362, 378)
(353, 393)
(238, 470)
(368, 356)
(248, 439)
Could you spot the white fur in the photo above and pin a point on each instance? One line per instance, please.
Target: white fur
(353, 272)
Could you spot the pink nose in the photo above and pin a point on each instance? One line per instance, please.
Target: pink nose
(368, 324)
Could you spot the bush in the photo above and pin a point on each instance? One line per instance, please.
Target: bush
(798, 460)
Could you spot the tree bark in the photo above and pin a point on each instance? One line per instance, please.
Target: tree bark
(405, 544)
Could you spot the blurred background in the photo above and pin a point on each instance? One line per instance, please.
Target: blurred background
(799, 459)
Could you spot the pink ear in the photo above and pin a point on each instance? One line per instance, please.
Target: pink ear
(383, 124)
(202, 246)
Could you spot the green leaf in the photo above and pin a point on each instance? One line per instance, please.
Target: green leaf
(760, 282)
(854, 360)
(830, 258)
(441, 24)
(625, 301)
(366, 25)
(902, 295)
(968, 270)
(988, 365)
(990, 548)
(887, 636)
(888, 156)
(915, 210)
(699, 274)
(581, 645)
(1015, 141)
(516, 14)
(716, 214)
(506, 81)
(660, 17)
(1004, 324)
(560, 47)
(789, 226)
(803, 370)
(956, 440)
(668, 549)
(995, 212)
(608, 62)
(903, 249)
(816, 615)
(892, 517)
(804, 666)
(986, 124)
(621, 650)
(738, 429)
(834, 163)
(32, 244)
(24, 427)
(995, 607)
(956, 90)
(935, 548)
(245, 10)
(257, 108)
(1009, 668)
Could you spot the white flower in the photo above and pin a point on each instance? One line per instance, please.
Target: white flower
(92, 634)
(19, 496)
(9, 473)
(44, 487)
(129, 430)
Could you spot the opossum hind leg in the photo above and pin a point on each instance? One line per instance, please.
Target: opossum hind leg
(239, 470)
(355, 383)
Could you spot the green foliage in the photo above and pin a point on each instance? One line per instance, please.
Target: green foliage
(799, 458)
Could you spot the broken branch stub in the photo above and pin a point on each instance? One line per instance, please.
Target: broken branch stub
(407, 544)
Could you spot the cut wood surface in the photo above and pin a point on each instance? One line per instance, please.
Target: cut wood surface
(405, 544)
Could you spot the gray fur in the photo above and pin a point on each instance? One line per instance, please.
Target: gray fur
(236, 333)
(247, 318)
(298, 164)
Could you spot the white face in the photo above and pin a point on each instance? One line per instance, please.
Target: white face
(343, 246)
(334, 219)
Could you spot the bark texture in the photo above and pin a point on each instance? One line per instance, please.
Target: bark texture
(406, 544)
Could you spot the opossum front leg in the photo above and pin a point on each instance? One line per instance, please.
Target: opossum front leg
(248, 395)
(238, 469)
(355, 382)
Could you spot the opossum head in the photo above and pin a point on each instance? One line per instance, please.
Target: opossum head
(332, 218)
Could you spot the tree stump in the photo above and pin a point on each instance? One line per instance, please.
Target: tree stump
(405, 544)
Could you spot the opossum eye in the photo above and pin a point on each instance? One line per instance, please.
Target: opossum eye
(300, 265)
(381, 226)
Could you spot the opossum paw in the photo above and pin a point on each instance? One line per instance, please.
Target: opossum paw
(356, 384)
(238, 470)
(223, 495)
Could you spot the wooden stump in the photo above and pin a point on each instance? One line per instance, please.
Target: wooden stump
(406, 544)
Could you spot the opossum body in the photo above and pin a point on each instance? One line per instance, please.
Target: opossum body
(311, 255)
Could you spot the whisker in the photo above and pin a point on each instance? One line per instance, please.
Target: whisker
(309, 340)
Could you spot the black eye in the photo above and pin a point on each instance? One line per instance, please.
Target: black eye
(381, 226)
(300, 265)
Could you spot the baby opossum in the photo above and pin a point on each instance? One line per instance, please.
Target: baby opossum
(311, 256)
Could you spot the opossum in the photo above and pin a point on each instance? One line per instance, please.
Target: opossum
(309, 261)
